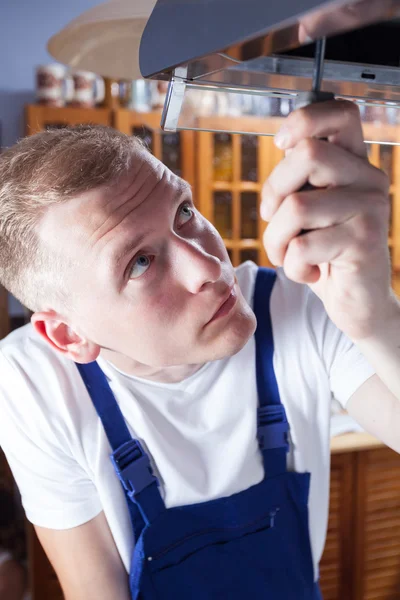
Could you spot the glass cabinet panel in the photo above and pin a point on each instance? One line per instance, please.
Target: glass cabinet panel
(249, 254)
(171, 152)
(249, 217)
(223, 157)
(249, 144)
(145, 134)
(223, 213)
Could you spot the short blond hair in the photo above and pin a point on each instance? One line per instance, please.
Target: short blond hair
(45, 169)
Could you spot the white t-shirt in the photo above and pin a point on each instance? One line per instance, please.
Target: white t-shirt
(200, 433)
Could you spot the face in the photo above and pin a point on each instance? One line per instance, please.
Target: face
(150, 277)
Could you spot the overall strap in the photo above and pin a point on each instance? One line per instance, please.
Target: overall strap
(272, 423)
(131, 463)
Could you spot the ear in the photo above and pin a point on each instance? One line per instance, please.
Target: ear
(65, 340)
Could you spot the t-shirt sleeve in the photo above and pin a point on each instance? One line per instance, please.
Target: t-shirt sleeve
(56, 491)
(346, 367)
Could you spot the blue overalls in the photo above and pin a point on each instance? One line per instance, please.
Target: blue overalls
(253, 544)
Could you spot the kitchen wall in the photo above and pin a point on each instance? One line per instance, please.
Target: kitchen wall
(25, 27)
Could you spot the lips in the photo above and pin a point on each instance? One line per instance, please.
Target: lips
(226, 305)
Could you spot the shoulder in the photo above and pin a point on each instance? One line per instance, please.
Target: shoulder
(27, 352)
(38, 386)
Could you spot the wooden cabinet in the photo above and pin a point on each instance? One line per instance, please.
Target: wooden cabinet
(225, 170)
(175, 149)
(337, 561)
(377, 519)
(39, 117)
(387, 158)
(231, 170)
(361, 560)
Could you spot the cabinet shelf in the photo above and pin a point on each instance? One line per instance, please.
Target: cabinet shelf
(243, 244)
(240, 186)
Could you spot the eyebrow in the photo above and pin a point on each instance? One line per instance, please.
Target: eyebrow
(127, 248)
(129, 245)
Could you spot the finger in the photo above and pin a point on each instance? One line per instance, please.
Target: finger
(313, 210)
(337, 120)
(320, 163)
(336, 246)
(306, 254)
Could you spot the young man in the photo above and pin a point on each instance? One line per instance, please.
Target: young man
(141, 347)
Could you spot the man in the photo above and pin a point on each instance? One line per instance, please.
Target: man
(139, 315)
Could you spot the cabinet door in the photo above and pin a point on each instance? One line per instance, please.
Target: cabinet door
(174, 149)
(377, 525)
(336, 567)
(231, 170)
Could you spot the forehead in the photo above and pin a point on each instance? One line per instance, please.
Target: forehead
(100, 213)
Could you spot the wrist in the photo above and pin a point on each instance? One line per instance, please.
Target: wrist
(384, 329)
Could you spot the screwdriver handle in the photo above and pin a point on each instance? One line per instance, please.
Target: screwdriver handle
(304, 99)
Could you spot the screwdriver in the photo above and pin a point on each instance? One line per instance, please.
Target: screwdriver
(315, 94)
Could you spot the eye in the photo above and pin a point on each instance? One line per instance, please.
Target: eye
(186, 213)
(139, 266)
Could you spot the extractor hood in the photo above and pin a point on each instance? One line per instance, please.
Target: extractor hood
(264, 49)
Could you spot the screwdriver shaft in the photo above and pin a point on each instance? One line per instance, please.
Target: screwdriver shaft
(319, 64)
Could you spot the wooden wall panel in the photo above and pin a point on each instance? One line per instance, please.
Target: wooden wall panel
(378, 527)
(336, 568)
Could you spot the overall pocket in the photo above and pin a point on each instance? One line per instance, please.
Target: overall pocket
(216, 563)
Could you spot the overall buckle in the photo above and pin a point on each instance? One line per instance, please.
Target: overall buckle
(132, 465)
(273, 428)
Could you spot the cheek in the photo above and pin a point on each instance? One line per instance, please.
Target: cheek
(156, 333)
(159, 311)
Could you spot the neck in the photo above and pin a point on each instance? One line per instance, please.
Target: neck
(127, 365)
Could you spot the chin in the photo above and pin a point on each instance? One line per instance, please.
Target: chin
(236, 335)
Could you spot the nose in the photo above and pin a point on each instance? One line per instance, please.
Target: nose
(195, 267)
